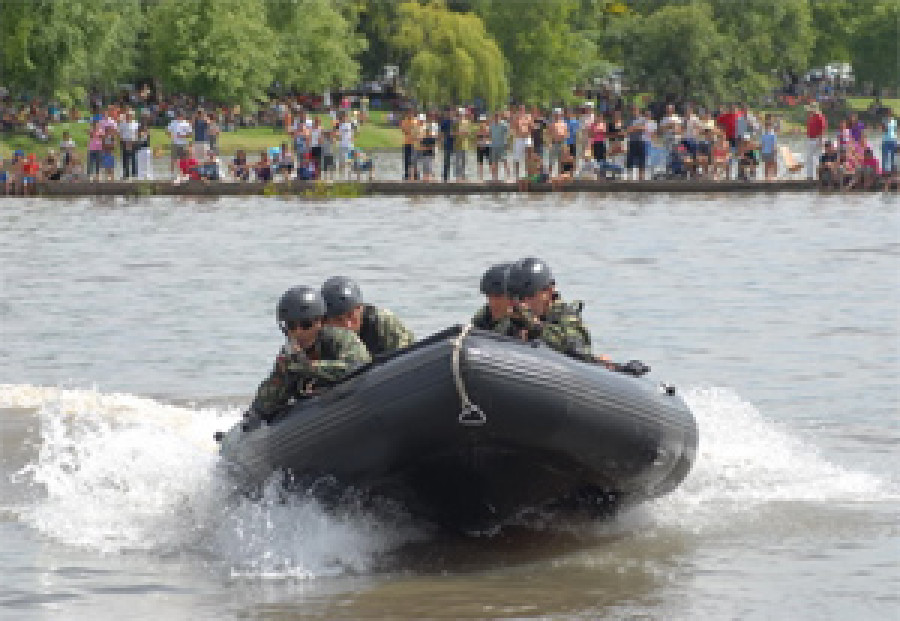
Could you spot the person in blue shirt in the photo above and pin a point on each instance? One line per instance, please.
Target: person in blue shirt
(574, 126)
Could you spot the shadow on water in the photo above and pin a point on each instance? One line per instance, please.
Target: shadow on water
(519, 573)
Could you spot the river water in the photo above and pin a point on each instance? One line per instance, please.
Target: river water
(134, 329)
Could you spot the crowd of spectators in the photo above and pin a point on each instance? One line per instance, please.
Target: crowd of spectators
(601, 139)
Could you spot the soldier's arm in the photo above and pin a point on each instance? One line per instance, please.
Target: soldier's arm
(398, 334)
(352, 353)
(273, 393)
(569, 337)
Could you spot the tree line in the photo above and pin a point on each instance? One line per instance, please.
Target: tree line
(531, 51)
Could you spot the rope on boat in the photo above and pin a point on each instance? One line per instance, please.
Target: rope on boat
(470, 414)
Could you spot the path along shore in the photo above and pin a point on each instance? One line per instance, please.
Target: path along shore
(351, 189)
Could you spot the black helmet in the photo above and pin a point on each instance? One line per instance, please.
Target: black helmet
(495, 279)
(341, 295)
(528, 276)
(300, 304)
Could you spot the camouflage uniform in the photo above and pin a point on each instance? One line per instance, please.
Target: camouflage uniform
(335, 353)
(561, 328)
(382, 331)
(483, 320)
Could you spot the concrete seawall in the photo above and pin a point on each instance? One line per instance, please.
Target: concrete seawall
(398, 188)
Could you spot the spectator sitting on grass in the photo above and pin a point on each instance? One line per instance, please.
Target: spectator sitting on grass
(284, 162)
(307, 168)
(73, 171)
(828, 171)
(187, 168)
(209, 168)
(5, 175)
(31, 170)
(263, 167)
(748, 161)
(846, 170)
(52, 171)
(360, 163)
(869, 171)
(239, 168)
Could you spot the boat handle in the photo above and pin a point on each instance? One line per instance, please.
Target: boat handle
(471, 415)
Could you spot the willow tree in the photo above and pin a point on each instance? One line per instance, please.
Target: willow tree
(219, 49)
(452, 58)
(316, 45)
(62, 49)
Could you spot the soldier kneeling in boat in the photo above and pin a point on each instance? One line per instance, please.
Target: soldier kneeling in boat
(499, 304)
(540, 313)
(380, 330)
(314, 356)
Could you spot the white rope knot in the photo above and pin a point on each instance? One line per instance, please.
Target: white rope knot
(470, 414)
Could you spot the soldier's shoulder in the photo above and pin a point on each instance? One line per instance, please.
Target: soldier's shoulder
(338, 335)
(560, 309)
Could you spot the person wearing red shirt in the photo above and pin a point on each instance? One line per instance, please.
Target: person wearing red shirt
(816, 126)
(189, 167)
(728, 122)
(30, 171)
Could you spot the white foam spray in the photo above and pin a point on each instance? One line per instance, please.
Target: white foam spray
(120, 472)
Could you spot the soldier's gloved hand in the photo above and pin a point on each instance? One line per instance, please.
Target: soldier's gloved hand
(634, 368)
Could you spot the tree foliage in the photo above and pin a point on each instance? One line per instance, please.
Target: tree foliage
(545, 54)
(60, 49)
(452, 57)
(875, 46)
(220, 49)
(677, 51)
(315, 45)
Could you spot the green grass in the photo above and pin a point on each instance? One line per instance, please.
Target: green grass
(863, 103)
(375, 134)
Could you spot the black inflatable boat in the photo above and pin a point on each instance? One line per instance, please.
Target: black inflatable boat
(468, 428)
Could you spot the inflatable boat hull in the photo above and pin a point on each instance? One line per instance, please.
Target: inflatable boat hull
(551, 430)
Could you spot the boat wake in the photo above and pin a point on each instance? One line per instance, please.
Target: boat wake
(118, 473)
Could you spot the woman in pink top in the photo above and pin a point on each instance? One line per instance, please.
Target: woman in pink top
(95, 148)
(597, 133)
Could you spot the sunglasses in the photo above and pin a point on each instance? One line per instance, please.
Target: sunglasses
(305, 325)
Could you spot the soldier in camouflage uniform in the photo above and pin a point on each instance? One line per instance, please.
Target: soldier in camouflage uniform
(539, 313)
(498, 306)
(315, 355)
(378, 328)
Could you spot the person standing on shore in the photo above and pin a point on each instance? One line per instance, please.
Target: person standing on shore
(128, 129)
(558, 132)
(768, 149)
(521, 133)
(144, 157)
(464, 135)
(407, 127)
(179, 131)
(889, 144)
(448, 142)
(816, 126)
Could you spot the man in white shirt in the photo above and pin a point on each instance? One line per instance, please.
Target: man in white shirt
(128, 130)
(179, 131)
(670, 128)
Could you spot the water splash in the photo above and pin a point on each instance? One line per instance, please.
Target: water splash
(748, 464)
(119, 473)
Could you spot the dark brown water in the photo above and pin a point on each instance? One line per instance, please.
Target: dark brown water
(132, 329)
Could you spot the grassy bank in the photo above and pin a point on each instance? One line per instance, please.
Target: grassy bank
(375, 134)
